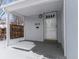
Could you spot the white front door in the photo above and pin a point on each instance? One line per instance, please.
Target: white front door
(50, 31)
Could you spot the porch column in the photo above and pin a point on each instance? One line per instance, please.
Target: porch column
(24, 28)
(7, 29)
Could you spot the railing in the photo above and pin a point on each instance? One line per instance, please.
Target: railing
(4, 2)
(1, 10)
(7, 1)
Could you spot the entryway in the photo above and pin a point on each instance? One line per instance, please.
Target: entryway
(43, 26)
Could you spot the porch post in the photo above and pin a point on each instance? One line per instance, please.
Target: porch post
(24, 28)
(7, 29)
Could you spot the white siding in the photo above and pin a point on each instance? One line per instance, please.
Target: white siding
(31, 32)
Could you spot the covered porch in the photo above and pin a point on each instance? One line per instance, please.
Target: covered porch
(32, 14)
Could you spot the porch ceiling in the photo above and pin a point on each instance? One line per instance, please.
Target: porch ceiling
(32, 7)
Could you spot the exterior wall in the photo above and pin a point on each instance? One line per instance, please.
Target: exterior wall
(31, 32)
(60, 27)
(71, 28)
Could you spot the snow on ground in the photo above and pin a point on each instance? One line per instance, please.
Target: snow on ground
(10, 53)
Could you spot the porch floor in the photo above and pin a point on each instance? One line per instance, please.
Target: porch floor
(50, 50)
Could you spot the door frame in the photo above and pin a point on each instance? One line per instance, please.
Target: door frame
(43, 22)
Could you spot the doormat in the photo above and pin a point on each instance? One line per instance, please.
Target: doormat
(26, 45)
